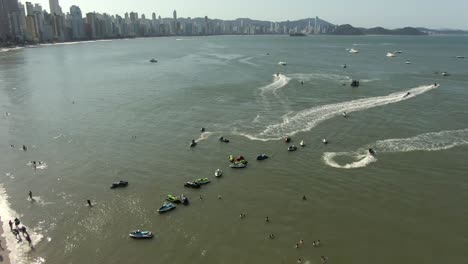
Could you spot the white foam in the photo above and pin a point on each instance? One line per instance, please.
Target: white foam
(74, 43)
(361, 160)
(10, 49)
(204, 136)
(278, 83)
(307, 119)
(18, 250)
(433, 141)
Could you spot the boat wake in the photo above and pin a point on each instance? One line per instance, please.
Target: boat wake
(204, 136)
(278, 83)
(301, 121)
(433, 141)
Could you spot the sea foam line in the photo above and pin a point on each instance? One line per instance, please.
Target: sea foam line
(434, 141)
(305, 120)
(18, 251)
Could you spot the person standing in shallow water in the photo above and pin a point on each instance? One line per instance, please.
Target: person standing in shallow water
(89, 203)
(11, 224)
(30, 196)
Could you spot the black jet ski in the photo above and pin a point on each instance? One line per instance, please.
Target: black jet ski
(194, 185)
(119, 184)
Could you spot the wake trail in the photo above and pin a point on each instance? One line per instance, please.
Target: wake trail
(305, 120)
(434, 141)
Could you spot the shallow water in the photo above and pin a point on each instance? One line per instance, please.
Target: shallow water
(77, 108)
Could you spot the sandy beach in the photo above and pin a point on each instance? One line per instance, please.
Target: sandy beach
(3, 253)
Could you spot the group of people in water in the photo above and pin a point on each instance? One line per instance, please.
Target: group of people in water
(19, 231)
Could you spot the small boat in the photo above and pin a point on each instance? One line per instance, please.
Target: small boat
(238, 165)
(231, 158)
(407, 62)
(391, 55)
(223, 139)
(292, 148)
(218, 173)
(372, 152)
(172, 199)
(184, 199)
(353, 51)
(153, 61)
(325, 141)
(202, 181)
(192, 185)
(287, 139)
(193, 143)
(302, 143)
(355, 83)
(141, 234)
(460, 57)
(119, 184)
(166, 208)
(282, 63)
(262, 157)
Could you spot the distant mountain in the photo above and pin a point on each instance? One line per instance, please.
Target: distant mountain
(378, 31)
(347, 30)
(350, 30)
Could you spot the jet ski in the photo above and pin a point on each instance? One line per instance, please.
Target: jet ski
(238, 165)
(302, 143)
(218, 173)
(282, 63)
(445, 74)
(172, 199)
(166, 208)
(325, 141)
(202, 181)
(372, 152)
(141, 234)
(192, 185)
(223, 139)
(184, 199)
(292, 148)
(355, 83)
(193, 143)
(262, 157)
(119, 184)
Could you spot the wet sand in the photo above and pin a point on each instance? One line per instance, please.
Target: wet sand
(3, 253)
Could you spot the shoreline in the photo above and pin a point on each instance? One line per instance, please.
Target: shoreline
(4, 255)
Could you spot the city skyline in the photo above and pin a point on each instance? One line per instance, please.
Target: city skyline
(418, 13)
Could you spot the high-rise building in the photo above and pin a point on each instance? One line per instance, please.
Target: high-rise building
(55, 8)
(154, 16)
(175, 14)
(77, 25)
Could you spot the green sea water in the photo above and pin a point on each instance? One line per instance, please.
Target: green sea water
(99, 112)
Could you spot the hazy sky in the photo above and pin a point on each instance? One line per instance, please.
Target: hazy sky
(363, 13)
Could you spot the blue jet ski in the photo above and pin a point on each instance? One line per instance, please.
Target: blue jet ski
(141, 234)
(166, 208)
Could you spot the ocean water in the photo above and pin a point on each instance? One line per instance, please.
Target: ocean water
(98, 112)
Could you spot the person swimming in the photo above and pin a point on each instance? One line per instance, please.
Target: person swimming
(407, 94)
